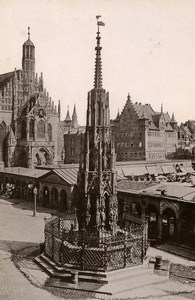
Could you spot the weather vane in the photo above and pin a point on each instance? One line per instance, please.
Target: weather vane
(99, 23)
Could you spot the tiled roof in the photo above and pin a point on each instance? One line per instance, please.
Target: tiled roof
(69, 174)
(34, 173)
(146, 109)
(174, 190)
(4, 78)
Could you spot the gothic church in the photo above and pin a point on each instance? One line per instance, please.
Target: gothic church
(28, 117)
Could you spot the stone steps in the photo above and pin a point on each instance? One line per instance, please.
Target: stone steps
(99, 283)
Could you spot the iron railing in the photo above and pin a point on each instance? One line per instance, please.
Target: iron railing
(93, 250)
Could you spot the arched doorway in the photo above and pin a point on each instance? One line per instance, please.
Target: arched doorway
(168, 224)
(152, 217)
(63, 202)
(54, 198)
(45, 196)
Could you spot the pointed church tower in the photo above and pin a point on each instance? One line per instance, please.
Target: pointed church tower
(74, 118)
(173, 122)
(28, 60)
(97, 176)
(67, 119)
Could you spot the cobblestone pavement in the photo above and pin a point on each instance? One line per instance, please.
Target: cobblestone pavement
(20, 235)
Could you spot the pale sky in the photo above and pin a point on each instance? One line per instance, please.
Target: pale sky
(148, 50)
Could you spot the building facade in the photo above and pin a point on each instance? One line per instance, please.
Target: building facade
(168, 208)
(28, 117)
(143, 134)
(73, 137)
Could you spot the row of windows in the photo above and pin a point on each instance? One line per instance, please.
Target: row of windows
(6, 101)
(130, 155)
(156, 144)
(156, 155)
(171, 134)
(125, 134)
(155, 133)
(40, 130)
(171, 145)
(6, 107)
(127, 145)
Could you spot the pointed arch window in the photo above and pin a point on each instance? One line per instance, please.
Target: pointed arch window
(41, 129)
(50, 132)
(31, 129)
(23, 130)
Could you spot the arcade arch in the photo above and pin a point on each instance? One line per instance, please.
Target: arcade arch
(168, 223)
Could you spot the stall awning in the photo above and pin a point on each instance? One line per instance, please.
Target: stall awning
(152, 170)
(171, 168)
(183, 169)
(134, 171)
(189, 170)
(165, 170)
(159, 170)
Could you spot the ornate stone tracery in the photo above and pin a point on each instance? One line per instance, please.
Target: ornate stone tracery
(97, 176)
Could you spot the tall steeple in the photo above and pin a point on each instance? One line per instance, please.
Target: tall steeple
(28, 60)
(67, 119)
(98, 60)
(97, 176)
(74, 118)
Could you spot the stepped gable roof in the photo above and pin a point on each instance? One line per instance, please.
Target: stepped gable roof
(146, 108)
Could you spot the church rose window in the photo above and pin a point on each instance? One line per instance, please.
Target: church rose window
(41, 129)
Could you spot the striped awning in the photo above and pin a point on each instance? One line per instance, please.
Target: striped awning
(159, 170)
(183, 169)
(134, 171)
(165, 169)
(189, 170)
(152, 170)
(171, 169)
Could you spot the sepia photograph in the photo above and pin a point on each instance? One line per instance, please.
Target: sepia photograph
(97, 149)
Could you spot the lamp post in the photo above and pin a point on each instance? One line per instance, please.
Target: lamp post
(35, 201)
(30, 187)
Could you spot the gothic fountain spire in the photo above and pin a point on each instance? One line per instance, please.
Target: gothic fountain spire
(98, 59)
(97, 175)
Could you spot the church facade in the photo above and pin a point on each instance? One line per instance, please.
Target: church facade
(28, 117)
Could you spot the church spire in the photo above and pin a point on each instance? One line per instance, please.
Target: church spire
(68, 119)
(98, 59)
(74, 118)
(28, 33)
